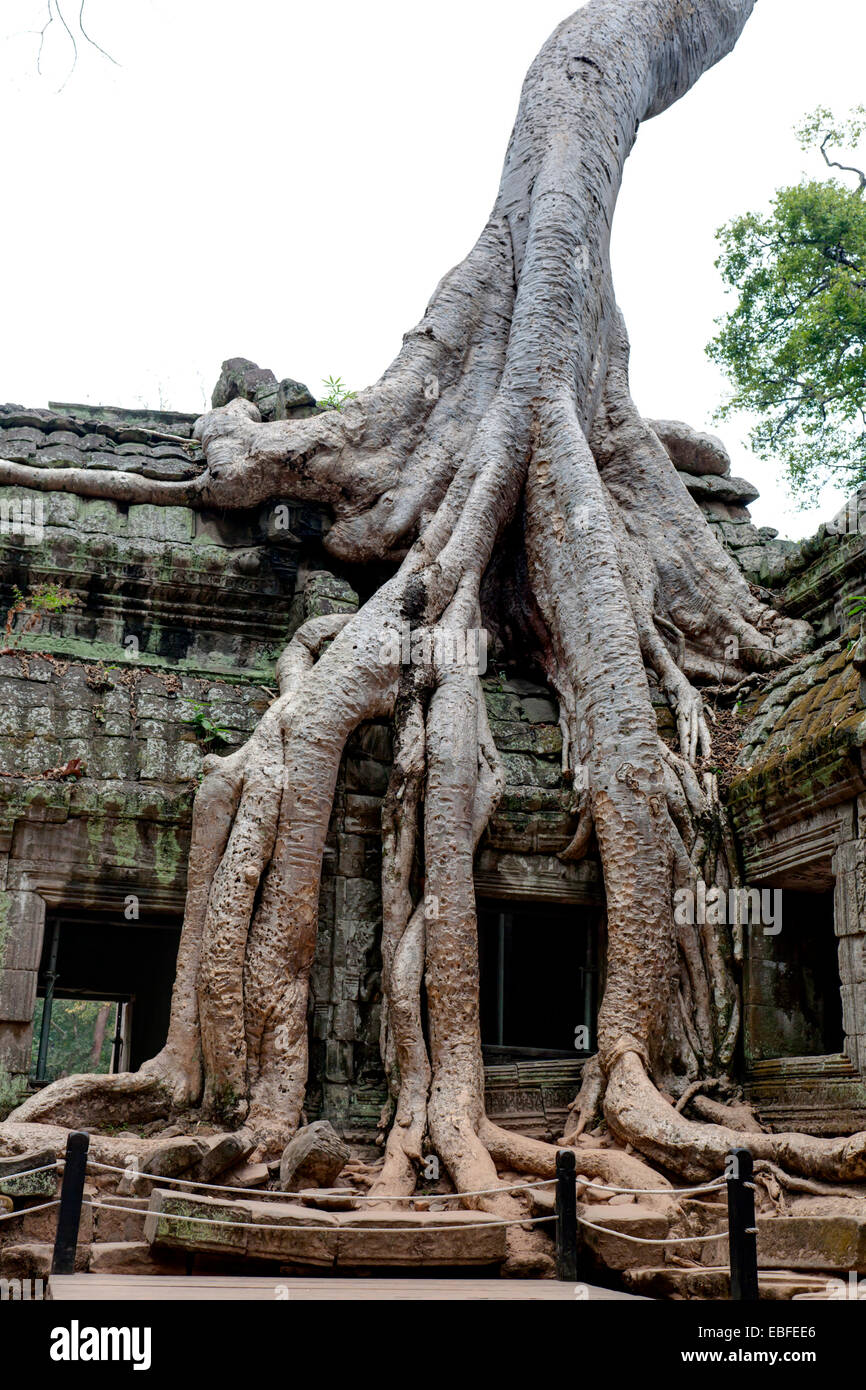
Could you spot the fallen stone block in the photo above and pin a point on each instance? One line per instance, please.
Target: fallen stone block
(248, 1175)
(224, 1152)
(315, 1157)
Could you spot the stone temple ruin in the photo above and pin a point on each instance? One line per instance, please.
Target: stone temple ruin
(109, 703)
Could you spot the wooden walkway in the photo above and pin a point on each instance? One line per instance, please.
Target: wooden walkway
(175, 1287)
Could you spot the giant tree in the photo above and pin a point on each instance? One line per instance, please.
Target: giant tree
(504, 428)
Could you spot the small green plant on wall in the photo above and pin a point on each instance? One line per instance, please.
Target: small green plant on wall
(205, 726)
(37, 603)
(336, 394)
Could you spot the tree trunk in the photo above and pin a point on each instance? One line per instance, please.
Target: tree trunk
(99, 1026)
(507, 411)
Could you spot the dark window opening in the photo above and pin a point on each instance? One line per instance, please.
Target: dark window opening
(539, 967)
(104, 991)
(794, 1003)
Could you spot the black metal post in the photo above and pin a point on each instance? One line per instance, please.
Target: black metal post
(742, 1231)
(566, 1217)
(69, 1215)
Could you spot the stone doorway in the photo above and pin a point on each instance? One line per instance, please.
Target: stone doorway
(99, 963)
(793, 989)
(539, 969)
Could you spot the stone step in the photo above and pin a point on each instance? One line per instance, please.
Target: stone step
(833, 1243)
(28, 1260)
(131, 1257)
(607, 1247)
(29, 1225)
(119, 1218)
(305, 1236)
(713, 1282)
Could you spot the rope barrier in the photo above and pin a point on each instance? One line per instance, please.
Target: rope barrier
(453, 1196)
(275, 1226)
(713, 1186)
(741, 1232)
(649, 1240)
(259, 1192)
(27, 1211)
(28, 1172)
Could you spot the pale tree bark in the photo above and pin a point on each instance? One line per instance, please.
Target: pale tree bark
(507, 410)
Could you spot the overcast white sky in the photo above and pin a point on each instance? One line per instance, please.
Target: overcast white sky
(288, 181)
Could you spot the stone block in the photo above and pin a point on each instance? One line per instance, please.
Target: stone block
(33, 1184)
(41, 1226)
(346, 1021)
(351, 855)
(130, 1257)
(538, 711)
(314, 1157)
(26, 1269)
(852, 958)
(22, 923)
(17, 995)
(152, 523)
(425, 1238)
(296, 1234)
(606, 1246)
(16, 1045)
(812, 1242)
(360, 899)
(281, 1231)
(338, 1061)
(854, 1007)
(196, 1223)
(120, 1223)
(363, 815)
(522, 770)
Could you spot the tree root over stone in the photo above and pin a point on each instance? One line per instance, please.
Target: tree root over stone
(507, 413)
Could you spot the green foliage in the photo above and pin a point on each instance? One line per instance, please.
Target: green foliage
(855, 606)
(794, 346)
(336, 394)
(71, 1036)
(39, 601)
(11, 1092)
(206, 727)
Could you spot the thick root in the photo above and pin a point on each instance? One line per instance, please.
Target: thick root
(639, 1115)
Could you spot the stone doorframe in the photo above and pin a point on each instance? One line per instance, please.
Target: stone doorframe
(22, 928)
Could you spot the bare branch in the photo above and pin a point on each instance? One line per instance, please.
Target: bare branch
(846, 168)
(91, 41)
(49, 21)
(55, 11)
